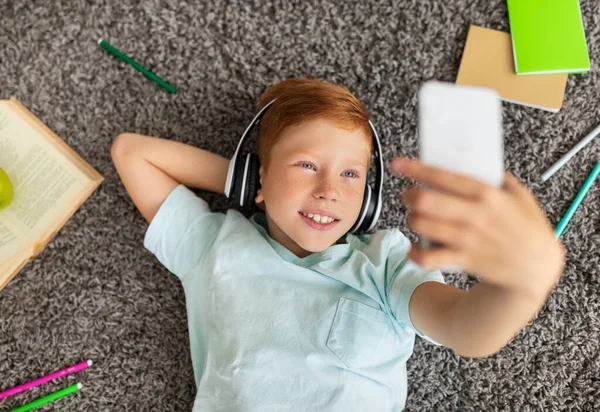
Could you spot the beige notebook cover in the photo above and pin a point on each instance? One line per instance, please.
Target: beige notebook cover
(487, 61)
(50, 182)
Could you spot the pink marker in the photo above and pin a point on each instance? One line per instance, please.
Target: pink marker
(48, 378)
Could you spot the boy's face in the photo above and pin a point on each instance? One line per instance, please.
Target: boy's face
(315, 168)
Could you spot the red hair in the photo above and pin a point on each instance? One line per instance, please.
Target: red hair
(300, 99)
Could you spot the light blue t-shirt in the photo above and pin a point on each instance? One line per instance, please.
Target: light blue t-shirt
(272, 332)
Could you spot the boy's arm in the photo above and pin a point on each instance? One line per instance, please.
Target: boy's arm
(500, 234)
(477, 323)
(151, 168)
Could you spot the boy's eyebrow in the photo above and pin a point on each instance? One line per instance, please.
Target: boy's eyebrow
(352, 161)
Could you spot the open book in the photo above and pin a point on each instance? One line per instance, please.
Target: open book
(50, 183)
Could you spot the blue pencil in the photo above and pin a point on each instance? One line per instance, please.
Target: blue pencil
(578, 199)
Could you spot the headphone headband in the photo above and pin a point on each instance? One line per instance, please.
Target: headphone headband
(255, 121)
(372, 202)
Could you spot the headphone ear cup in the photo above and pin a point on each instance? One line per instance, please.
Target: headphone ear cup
(252, 185)
(238, 179)
(367, 212)
(371, 207)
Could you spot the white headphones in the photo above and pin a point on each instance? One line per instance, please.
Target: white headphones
(243, 180)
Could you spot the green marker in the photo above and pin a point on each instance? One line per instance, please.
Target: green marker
(49, 398)
(118, 53)
(562, 225)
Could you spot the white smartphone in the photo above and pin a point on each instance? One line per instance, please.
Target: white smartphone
(460, 130)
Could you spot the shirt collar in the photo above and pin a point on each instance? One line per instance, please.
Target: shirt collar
(339, 249)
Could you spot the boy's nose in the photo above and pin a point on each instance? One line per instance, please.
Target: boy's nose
(326, 191)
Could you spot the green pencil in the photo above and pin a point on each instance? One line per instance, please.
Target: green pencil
(118, 53)
(578, 199)
(49, 398)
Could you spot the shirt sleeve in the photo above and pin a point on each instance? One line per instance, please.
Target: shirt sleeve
(403, 276)
(182, 231)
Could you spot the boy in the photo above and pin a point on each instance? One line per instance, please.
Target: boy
(287, 311)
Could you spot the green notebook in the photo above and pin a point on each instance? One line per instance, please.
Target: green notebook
(548, 36)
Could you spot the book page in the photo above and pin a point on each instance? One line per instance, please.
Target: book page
(44, 183)
(8, 268)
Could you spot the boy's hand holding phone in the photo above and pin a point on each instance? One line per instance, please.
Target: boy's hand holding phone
(484, 220)
(498, 233)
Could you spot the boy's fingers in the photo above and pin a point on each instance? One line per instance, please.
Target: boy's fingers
(512, 184)
(439, 205)
(438, 178)
(449, 234)
(518, 189)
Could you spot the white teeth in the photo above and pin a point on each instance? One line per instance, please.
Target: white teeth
(318, 218)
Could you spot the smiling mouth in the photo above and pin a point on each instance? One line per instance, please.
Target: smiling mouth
(318, 218)
(326, 225)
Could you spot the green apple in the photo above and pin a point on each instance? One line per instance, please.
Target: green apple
(6, 190)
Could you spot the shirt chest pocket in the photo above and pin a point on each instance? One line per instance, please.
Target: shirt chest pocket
(361, 336)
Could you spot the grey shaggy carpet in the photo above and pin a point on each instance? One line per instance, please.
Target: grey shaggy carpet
(96, 293)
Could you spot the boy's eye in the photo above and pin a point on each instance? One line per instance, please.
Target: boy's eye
(310, 166)
(306, 164)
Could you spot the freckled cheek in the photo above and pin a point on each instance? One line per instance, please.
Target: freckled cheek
(288, 184)
(355, 196)
(291, 182)
(284, 185)
(356, 191)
